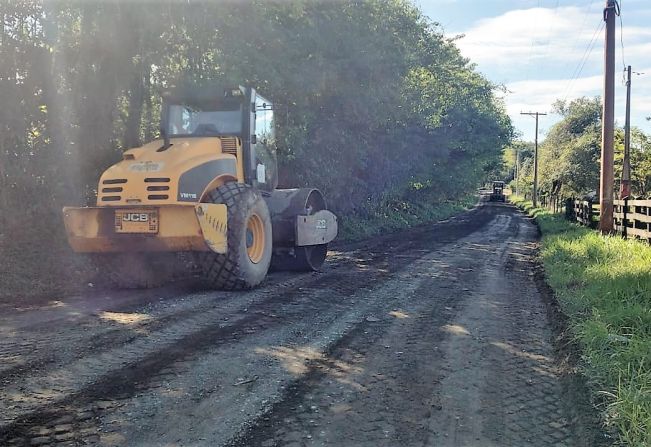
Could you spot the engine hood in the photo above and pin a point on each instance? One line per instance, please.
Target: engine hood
(151, 174)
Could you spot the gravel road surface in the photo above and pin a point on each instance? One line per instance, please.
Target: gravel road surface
(435, 336)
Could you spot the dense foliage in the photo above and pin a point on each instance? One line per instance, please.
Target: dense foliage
(373, 104)
(371, 98)
(570, 153)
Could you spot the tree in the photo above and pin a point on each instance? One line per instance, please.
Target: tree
(569, 155)
(371, 98)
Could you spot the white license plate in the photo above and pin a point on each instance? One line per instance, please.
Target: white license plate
(136, 221)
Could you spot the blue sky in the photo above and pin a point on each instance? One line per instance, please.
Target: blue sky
(540, 50)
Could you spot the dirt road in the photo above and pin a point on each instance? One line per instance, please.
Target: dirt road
(436, 336)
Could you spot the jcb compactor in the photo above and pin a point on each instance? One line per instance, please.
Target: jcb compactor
(497, 195)
(208, 186)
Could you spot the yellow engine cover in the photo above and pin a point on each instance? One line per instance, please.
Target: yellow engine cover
(200, 227)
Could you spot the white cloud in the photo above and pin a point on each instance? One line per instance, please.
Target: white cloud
(519, 35)
(527, 42)
(537, 53)
(539, 95)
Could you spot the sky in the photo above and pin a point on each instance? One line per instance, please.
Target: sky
(544, 50)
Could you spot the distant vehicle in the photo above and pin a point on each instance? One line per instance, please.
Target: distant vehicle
(498, 192)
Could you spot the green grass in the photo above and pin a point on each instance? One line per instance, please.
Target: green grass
(603, 284)
(396, 214)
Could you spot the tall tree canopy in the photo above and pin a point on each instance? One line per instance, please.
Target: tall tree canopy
(371, 97)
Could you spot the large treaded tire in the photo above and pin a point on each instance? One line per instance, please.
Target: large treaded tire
(235, 270)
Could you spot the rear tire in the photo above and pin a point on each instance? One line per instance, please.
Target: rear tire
(246, 262)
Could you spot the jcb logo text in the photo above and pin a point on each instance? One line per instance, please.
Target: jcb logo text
(135, 217)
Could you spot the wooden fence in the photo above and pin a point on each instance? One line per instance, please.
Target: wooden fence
(631, 217)
(586, 212)
(553, 203)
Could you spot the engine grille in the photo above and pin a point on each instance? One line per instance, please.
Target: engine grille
(229, 145)
(112, 193)
(157, 184)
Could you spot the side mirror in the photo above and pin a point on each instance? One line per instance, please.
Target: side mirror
(254, 139)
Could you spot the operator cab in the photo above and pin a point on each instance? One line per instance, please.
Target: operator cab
(498, 187)
(226, 112)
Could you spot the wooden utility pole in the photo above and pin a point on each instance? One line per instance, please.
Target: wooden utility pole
(535, 157)
(608, 123)
(625, 187)
(517, 172)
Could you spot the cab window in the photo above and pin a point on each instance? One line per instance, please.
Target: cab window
(265, 148)
(188, 120)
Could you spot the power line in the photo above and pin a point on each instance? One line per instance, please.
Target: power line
(587, 51)
(586, 54)
(621, 33)
(545, 46)
(535, 29)
(583, 23)
(549, 31)
(575, 47)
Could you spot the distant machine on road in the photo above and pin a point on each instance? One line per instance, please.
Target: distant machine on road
(498, 192)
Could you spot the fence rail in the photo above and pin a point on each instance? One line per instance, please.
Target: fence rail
(630, 217)
(586, 213)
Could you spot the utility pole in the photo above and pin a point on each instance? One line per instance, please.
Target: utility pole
(517, 172)
(608, 123)
(625, 187)
(535, 158)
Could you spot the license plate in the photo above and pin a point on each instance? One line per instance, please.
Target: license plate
(136, 221)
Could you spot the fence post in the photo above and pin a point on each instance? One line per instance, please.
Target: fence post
(569, 208)
(625, 219)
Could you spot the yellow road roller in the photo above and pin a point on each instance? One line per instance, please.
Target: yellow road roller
(208, 186)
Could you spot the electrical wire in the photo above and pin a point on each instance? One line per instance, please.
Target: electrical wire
(546, 48)
(582, 28)
(530, 55)
(618, 11)
(586, 54)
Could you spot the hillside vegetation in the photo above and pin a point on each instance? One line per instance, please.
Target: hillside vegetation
(374, 105)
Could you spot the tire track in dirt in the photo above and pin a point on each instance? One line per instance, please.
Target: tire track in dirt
(187, 338)
(473, 364)
(48, 337)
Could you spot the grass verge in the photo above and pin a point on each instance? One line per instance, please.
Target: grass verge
(603, 285)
